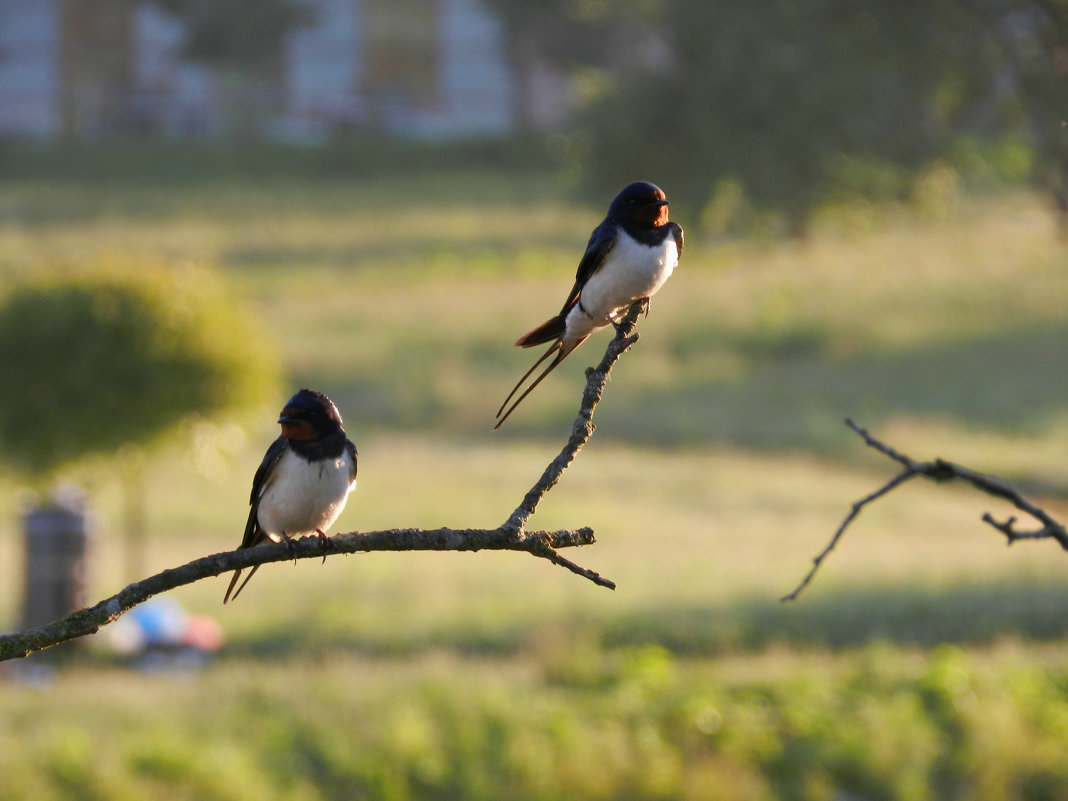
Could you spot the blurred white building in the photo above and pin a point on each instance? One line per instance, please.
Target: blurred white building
(429, 68)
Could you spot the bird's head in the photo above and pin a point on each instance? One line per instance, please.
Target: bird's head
(641, 202)
(309, 415)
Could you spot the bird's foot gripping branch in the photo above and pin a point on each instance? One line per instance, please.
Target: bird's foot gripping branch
(512, 535)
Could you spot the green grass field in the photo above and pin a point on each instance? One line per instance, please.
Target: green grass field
(925, 662)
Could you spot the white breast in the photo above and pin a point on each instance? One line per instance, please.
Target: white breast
(631, 272)
(301, 497)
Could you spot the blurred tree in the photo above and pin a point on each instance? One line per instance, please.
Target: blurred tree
(95, 361)
(780, 99)
(1033, 39)
(787, 103)
(576, 36)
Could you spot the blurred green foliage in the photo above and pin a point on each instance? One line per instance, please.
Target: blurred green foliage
(793, 103)
(877, 724)
(780, 100)
(118, 353)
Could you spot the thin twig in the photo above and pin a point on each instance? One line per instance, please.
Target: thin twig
(546, 550)
(582, 429)
(940, 470)
(855, 510)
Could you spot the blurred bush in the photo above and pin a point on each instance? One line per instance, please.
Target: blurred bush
(119, 353)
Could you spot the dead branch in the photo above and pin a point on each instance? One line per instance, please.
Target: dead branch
(582, 429)
(511, 535)
(941, 471)
(89, 620)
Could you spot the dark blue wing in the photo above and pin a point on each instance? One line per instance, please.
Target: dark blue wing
(676, 233)
(253, 535)
(352, 452)
(601, 242)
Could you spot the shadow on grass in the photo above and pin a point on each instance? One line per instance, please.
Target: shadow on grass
(824, 619)
(418, 252)
(148, 162)
(855, 616)
(792, 395)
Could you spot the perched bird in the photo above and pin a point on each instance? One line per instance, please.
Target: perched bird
(304, 479)
(628, 258)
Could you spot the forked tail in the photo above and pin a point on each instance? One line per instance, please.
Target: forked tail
(562, 351)
(237, 574)
(546, 332)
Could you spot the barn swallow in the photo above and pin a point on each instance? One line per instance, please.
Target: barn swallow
(304, 480)
(628, 258)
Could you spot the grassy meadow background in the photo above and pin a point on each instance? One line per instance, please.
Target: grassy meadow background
(926, 661)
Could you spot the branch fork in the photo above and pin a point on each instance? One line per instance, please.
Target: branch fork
(941, 471)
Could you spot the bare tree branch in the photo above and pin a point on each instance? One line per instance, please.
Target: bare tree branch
(89, 620)
(582, 429)
(510, 536)
(941, 471)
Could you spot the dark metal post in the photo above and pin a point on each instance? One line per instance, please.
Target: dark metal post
(55, 563)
